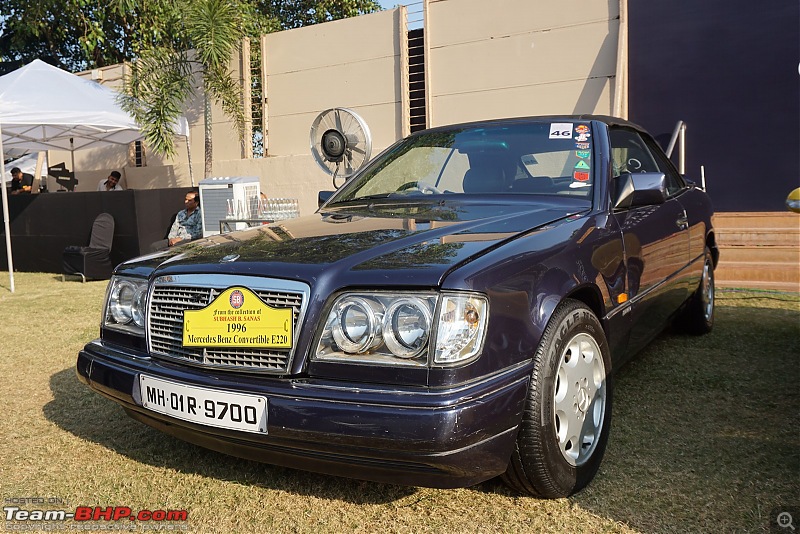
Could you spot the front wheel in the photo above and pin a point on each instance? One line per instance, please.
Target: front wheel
(566, 421)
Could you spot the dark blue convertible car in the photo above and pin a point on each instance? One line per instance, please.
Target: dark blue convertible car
(455, 312)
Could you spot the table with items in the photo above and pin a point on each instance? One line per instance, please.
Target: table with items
(264, 211)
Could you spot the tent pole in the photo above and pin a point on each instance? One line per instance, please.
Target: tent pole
(6, 224)
(72, 155)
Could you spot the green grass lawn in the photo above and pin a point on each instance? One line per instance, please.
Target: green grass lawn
(705, 438)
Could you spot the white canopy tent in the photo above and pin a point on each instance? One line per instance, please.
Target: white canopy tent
(43, 107)
(27, 163)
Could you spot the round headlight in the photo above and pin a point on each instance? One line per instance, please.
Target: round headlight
(122, 298)
(356, 324)
(138, 306)
(406, 327)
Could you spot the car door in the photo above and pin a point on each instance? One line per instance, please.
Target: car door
(655, 239)
(678, 189)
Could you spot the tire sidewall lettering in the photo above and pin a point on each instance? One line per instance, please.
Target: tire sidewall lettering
(564, 477)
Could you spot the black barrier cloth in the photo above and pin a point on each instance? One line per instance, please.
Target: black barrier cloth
(43, 225)
(721, 66)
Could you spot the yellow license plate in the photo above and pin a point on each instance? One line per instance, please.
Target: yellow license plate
(238, 318)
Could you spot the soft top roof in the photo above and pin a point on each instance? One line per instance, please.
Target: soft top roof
(607, 119)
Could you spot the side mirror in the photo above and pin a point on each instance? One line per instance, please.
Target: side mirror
(640, 189)
(323, 197)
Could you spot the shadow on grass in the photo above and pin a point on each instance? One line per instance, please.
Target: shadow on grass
(704, 435)
(84, 413)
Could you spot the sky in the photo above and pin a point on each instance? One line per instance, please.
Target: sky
(414, 10)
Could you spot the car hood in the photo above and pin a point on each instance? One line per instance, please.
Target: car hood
(385, 244)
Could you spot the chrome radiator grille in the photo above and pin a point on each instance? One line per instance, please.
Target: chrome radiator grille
(170, 296)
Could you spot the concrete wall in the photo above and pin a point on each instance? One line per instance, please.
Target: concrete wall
(355, 63)
(529, 57)
(526, 57)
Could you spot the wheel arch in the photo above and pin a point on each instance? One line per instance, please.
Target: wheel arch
(711, 243)
(592, 298)
(589, 295)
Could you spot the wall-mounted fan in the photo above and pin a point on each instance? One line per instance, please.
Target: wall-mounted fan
(340, 142)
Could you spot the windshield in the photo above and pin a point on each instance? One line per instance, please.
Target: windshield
(526, 158)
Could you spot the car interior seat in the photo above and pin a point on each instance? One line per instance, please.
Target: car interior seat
(485, 175)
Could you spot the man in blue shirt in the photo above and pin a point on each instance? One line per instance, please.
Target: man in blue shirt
(188, 224)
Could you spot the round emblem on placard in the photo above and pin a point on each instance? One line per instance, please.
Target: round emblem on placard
(237, 299)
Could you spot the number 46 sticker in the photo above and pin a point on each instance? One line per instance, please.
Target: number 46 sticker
(561, 130)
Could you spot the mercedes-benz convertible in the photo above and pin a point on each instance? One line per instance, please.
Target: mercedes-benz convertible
(456, 311)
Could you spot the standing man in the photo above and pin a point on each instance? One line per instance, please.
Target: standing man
(188, 224)
(21, 182)
(111, 183)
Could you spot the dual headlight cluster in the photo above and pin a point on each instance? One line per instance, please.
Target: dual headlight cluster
(367, 327)
(402, 328)
(125, 305)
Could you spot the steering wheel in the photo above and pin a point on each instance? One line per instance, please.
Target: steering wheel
(422, 187)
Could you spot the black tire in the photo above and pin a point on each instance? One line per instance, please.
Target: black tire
(543, 464)
(697, 316)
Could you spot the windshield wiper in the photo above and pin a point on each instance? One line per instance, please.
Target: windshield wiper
(367, 197)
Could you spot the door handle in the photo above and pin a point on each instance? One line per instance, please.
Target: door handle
(682, 222)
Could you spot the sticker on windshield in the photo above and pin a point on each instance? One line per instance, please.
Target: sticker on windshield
(583, 154)
(561, 130)
(582, 165)
(580, 176)
(582, 129)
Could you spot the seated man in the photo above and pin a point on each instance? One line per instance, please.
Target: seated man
(111, 183)
(21, 182)
(188, 224)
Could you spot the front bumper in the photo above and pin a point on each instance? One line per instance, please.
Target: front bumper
(443, 438)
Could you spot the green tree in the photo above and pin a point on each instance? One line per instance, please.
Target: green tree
(71, 34)
(209, 33)
(160, 84)
(83, 34)
(297, 13)
(168, 41)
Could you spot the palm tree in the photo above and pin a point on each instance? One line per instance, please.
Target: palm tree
(177, 40)
(160, 81)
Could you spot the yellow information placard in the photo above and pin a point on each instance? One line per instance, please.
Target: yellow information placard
(238, 318)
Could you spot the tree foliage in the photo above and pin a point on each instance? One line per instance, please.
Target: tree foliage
(161, 79)
(169, 44)
(83, 34)
(297, 13)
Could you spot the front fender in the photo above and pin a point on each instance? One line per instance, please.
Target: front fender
(527, 278)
